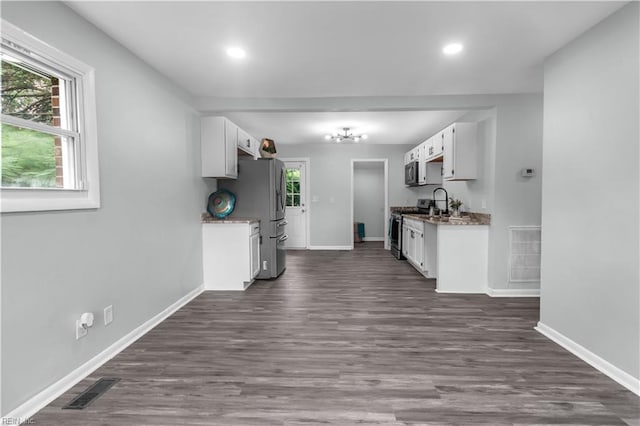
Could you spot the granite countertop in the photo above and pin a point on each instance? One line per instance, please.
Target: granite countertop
(404, 210)
(467, 218)
(207, 218)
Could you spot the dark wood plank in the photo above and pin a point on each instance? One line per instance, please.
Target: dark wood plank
(349, 338)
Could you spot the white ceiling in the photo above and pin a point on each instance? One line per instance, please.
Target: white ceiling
(388, 127)
(319, 49)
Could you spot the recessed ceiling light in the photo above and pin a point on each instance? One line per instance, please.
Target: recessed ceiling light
(236, 52)
(452, 49)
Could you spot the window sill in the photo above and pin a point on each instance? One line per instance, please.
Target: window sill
(32, 200)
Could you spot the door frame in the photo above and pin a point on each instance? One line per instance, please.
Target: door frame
(385, 162)
(307, 189)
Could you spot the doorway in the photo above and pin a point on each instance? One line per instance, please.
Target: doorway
(297, 213)
(370, 199)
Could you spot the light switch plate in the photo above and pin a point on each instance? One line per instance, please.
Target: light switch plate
(108, 315)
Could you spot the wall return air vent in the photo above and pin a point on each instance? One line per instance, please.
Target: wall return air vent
(524, 254)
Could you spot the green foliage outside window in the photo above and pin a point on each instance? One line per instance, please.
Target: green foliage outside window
(293, 187)
(28, 156)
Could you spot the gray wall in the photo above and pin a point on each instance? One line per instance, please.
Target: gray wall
(590, 278)
(330, 220)
(509, 139)
(517, 200)
(368, 197)
(141, 251)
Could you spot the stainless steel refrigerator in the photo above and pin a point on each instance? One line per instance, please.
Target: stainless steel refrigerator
(260, 191)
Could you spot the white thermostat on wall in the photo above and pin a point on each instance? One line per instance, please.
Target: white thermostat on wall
(528, 172)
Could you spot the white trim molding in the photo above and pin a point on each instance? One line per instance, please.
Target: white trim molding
(307, 194)
(330, 248)
(459, 292)
(513, 292)
(85, 192)
(385, 164)
(28, 409)
(600, 364)
(373, 239)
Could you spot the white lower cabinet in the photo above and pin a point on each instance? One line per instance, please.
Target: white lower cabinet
(230, 254)
(463, 259)
(413, 239)
(455, 255)
(430, 250)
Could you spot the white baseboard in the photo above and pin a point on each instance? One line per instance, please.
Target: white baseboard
(458, 291)
(373, 239)
(600, 364)
(330, 248)
(28, 409)
(513, 292)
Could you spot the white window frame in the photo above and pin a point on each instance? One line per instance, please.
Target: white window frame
(87, 194)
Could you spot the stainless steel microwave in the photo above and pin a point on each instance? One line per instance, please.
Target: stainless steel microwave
(411, 177)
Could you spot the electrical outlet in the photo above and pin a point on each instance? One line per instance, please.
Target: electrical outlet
(484, 204)
(108, 315)
(80, 330)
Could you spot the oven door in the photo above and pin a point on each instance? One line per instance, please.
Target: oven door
(395, 236)
(411, 174)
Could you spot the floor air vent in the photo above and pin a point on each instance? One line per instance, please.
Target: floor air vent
(524, 254)
(91, 394)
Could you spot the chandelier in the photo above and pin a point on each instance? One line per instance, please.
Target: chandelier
(346, 136)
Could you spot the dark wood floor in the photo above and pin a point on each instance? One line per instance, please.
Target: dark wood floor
(349, 338)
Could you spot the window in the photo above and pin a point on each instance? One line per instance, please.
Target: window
(293, 187)
(49, 137)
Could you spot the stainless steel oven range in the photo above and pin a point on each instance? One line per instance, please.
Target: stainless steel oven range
(395, 235)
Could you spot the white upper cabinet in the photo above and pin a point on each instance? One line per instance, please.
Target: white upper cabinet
(218, 147)
(247, 143)
(411, 156)
(459, 157)
(437, 146)
(422, 163)
(221, 141)
(433, 173)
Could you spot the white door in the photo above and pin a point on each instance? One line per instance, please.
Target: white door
(296, 213)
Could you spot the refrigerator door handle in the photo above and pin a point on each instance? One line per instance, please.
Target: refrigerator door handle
(282, 189)
(283, 223)
(285, 237)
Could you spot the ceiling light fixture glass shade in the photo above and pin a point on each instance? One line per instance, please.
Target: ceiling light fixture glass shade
(345, 136)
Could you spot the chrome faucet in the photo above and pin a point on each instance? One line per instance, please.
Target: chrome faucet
(446, 199)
